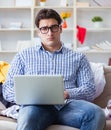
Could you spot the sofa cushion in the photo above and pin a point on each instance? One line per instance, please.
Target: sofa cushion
(108, 125)
(60, 127)
(7, 125)
(4, 118)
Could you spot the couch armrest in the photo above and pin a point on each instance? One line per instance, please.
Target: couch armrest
(106, 94)
(107, 69)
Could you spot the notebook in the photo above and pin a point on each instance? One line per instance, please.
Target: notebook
(39, 89)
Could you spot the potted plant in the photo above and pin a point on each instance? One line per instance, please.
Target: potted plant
(64, 16)
(97, 20)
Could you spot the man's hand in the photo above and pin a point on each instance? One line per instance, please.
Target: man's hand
(66, 95)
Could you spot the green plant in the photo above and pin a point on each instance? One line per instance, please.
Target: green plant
(97, 19)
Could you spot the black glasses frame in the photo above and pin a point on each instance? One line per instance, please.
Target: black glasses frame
(53, 28)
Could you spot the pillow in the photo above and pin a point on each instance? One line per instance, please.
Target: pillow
(99, 77)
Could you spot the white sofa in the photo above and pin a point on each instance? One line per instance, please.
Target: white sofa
(10, 124)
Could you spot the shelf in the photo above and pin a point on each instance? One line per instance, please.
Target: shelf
(98, 51)
(93, 7)
(80, 15)
(23, 29)
(98, 29)
(8, 51)
(15, 7)
(55, 7)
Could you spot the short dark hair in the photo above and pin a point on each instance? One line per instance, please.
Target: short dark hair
(47, 14)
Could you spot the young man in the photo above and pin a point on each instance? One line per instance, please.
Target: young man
(51, 57)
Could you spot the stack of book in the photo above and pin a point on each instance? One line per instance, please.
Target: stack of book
(103, 46)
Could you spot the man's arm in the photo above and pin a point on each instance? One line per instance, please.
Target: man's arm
(16, 68)
(85, 87)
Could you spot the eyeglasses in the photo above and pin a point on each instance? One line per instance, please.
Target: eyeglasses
(53, 28)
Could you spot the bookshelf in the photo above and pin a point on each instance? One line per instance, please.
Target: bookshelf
(21, 15)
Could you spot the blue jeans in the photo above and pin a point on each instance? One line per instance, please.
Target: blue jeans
(77, 113)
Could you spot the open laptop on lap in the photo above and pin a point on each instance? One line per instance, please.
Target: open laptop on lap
(39, 89)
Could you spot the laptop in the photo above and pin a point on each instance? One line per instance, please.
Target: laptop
(39, 89)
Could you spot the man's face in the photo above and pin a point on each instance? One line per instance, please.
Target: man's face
(49, 32)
